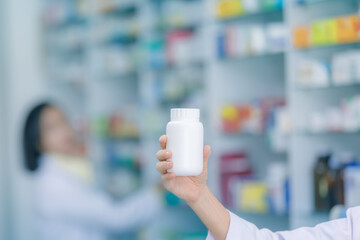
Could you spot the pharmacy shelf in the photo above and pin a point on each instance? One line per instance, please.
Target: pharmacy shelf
(243, 135)
(266, 56)
(133, 75)
(305, 144)
(307, 3)
(155, 82)
(123, 11)
(172, 28)
(339, 46)
(69, 22)
(351, 86)
(67, 52)
(172, 68)
(236, 80)
(104, 93)
(262, 15)
(123, 40)
(223, 84)
(329, 133)
(111, 139)
(79, 86)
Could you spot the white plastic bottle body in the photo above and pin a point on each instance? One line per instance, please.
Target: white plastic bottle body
(185, 140)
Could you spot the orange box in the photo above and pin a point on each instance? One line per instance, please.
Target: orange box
(301, 37)
(346, 28)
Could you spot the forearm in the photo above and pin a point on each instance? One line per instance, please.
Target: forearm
(212, 213)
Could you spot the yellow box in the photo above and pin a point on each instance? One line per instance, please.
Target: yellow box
(331, 31)
(229, 8)
(253, 197)
(318, 33)
(229, 113)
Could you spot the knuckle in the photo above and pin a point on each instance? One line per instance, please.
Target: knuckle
(158, 154)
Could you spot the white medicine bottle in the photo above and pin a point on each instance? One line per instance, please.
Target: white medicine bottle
(185, 137)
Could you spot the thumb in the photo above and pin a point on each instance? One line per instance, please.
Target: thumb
(207, 152)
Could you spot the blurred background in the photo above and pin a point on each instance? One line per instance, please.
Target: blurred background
(277, 82)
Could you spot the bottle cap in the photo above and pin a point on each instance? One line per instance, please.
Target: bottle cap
(182, 114)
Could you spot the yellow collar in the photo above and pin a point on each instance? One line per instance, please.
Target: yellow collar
(77, 166)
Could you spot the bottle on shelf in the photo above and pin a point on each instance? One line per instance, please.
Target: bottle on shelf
(278, 188)
(352, 182)
(324, 182)
(336, 163)
(234, 165)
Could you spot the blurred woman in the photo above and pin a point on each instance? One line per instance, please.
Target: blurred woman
(67, 204)
(223, 224)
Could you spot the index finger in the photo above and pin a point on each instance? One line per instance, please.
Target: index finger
(162, 141)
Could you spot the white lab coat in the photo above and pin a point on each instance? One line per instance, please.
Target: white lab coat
(342, 229)
(67, 208)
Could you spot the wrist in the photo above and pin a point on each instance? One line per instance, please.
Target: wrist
(204, 192)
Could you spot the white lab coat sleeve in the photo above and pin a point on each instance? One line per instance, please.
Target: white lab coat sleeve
(344, 229)
(95, 209)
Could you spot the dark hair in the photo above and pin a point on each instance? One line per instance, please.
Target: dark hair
(31, 137)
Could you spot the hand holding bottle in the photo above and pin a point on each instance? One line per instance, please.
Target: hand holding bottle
(188, 188)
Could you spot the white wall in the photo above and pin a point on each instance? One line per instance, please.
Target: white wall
(3, 177)
(24, 86)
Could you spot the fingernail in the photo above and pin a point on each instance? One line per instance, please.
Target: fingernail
(167, 153)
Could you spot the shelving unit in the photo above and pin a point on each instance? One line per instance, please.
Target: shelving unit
(167, 82)
(113, 89)
(65, 57)
(263, 14)
(244, 79)
(143, 89)
(267, 56)
(315, 2)
(303, 100)
(332, 87)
